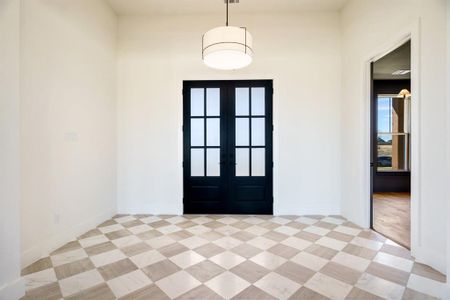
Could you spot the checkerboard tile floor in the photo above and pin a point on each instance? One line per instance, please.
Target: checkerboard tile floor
(231, 257)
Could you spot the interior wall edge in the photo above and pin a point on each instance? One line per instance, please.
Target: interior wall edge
(46, 246)
(13, 290)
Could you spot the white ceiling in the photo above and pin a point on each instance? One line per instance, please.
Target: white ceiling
(399, 59)
(167, 7)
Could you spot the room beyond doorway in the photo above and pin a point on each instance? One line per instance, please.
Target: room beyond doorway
(228, 147)
(391, 145)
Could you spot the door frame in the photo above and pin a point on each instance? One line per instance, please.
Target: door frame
(269, 135)
(412, 34)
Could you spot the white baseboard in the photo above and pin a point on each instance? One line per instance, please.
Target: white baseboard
(13, 290)
(46, 246)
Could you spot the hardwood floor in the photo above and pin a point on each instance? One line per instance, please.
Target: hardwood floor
(391, 216)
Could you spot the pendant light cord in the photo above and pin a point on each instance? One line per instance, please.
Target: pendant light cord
(227, 13)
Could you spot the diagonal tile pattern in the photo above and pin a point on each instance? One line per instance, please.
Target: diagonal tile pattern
(231, 257)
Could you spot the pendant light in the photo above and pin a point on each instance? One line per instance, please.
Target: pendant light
(227, 47)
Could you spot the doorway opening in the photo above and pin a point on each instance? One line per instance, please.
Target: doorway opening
(391, 145)
(227, 147)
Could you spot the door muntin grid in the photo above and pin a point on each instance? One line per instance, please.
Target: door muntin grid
(205, 138)
(250, 131)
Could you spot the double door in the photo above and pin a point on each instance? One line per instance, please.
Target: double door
(227, 137)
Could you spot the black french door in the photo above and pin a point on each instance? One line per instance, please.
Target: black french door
(227, 140)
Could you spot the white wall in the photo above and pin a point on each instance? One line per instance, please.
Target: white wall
(369, 25)
(68, 121)
(11, 286)
(301, 52)
(448, 149)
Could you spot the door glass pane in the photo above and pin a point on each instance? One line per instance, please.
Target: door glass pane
(242, 132)
(258, 102)
(242, 102)
(213, 102)
(242, 162)
(197, 162)
(393, 152)
(213, 162)
(213, 132)
(197, 132)
(197, 102)
(258, 162)
(258, 131)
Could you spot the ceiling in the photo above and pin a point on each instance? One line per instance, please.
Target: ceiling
(399, 59)
(168, 7)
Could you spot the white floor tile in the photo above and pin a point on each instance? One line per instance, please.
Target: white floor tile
(351, 261)
(80, 282)
(268, 260)
(329, 287)
(227, 285)
(374, 245)
(262, 243)
(128, 283)
(227, 260)
(317, 230)
(68, 257)
(177, 284)
(394, 261)
(380, 287)
(187, 259)
(94, 240)
(331, 243)
(278, 286)
(106, 258)
(194, 242)
(426, 286)
(147, 258)
(296, 243)
(41, 278)
(309, 261)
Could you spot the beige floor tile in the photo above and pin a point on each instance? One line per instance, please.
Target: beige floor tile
(169, 229)
(359, 251)
(306, 294)
(40, 265)
(278, 286)
(328, 286)
(100, 248)
(151, 291)
(321, 251)
(200, 292)
(295, 272)
(388, 273)
(136, 249)
(205, 270)
(372, 235)
(139, 229)
(73, 268)
(358, 294)
(250, 271)
(262, 243)
(158, 224)
(341, 273)
(227, 259)
(80, 282)
(180, 235)
(186, 224)
(243, 236)
(283, 251)
(246, 250)
(227, 284)
(160, 270)
(340, 236)
(415, 295)
(316, 230)
(98, 292)
(209, 250)
(347, 230)
(74, 245)
(90, 233)
(380, 287)
(117, 269)
(242, 225)
(308, 236)
(128, 283)
(370, 244)
(117, 234)
(132, 223)
(126, 241)
(326, 225)
(111, 228)
(253, 292)
(149, 234)
(428, 272)
(296, 225)
(107, 223)
(275, 236)
(173, 249)
(177, 284)
(397, 251)
(47, 292)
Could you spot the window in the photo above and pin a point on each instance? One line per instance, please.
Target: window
(393, 133)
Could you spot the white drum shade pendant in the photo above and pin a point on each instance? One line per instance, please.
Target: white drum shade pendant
(227, 47)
